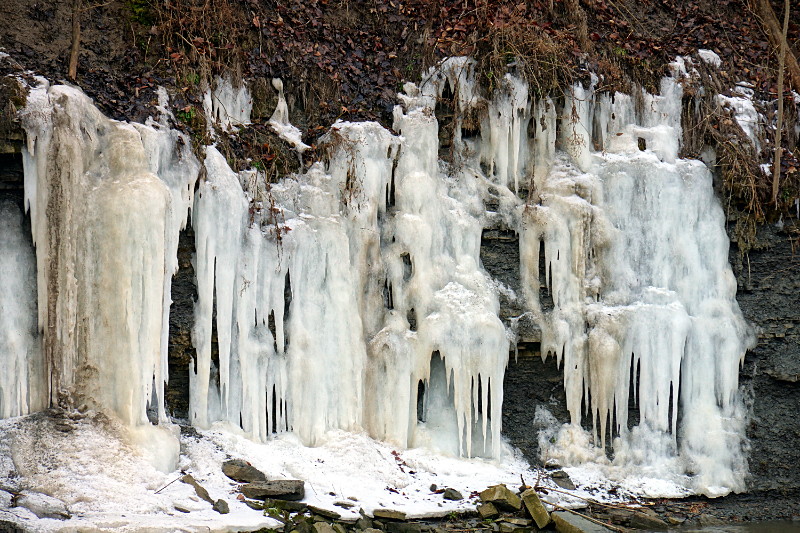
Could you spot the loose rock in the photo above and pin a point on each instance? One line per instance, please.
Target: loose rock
(521, 522)
(331, 515)
(452, 494)
(323, 527)
(344, 505)
(502, 498)
(198, 488)
(487, 510)
(255, 505)
(646, 519)
(364, 523)
(562, 479)
(567, 522)
(282, 489)
(536, 508)
(242, 471)
(388, 514)
(284, 505)
(403, 527)
(221, 506)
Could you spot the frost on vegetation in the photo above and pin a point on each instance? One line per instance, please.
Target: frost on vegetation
(745, 113)
(710, 57)
(227, 104)
(107, 200)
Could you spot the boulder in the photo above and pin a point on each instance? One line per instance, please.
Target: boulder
(502, 498)
(567, 522)
(536, 508)
(281, 489)
(242, 471)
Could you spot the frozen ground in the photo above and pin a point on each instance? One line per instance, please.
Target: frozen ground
(108, 484)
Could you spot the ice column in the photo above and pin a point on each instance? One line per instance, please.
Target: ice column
(22, 380)
(105, 229)
(636, 262)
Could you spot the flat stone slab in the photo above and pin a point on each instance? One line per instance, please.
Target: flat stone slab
(280, 489)
(325, 513)
(567, 522)
(283, 505)
(388, 514)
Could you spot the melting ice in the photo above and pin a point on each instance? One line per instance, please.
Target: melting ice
(352, 296)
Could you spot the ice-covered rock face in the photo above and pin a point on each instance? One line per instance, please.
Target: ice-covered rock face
(390, 323)
(107, 201)
(352, 296)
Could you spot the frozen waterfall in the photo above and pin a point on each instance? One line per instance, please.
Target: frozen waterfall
(352, 295)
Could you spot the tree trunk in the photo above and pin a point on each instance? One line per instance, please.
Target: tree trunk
(773, 30)
(72, 72)
(776, 166)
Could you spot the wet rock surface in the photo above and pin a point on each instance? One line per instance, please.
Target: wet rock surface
(768, 287)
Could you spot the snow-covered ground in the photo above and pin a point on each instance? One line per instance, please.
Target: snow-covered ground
(107, 483)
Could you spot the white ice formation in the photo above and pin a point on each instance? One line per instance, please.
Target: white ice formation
(227, 104)
(107, 201)
(279, 121)
(22, 375)
(352, 296)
